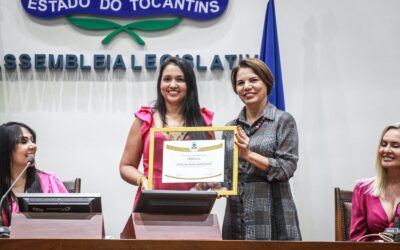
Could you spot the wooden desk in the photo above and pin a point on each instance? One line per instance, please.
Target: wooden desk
(57, 226)
(144, 226)
(54, 244)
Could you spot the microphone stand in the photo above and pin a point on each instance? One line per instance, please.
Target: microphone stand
(397, 224)
(395, 230)
(5, 231)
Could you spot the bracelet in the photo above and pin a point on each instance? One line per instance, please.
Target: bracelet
(139, 180)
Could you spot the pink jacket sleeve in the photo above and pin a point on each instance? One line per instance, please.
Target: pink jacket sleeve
(207, 116)
(51, 183)
(145, 114)
(359, 226)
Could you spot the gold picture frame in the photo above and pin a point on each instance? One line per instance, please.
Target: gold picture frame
(234, 189)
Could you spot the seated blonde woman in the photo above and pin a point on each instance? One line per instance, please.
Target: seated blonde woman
(375, 200)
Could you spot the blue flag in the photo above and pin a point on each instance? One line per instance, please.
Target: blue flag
(270, 55)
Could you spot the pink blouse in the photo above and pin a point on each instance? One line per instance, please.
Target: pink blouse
(49, 183)
(368, 215)
(145, 114)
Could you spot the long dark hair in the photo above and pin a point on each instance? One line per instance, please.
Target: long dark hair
(190, 107)
(10, 136)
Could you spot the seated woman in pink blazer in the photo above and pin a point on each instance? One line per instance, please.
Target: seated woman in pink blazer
(17, 145)
(375, 200)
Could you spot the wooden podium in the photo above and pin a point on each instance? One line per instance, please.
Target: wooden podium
(57, 226)
(143, 226)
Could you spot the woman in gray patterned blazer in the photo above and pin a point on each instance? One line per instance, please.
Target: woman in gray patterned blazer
(268, 152)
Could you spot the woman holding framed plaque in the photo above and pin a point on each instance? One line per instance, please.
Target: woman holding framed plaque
(268, 152)
(177, 105)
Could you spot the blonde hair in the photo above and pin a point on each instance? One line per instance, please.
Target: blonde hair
(379, 183)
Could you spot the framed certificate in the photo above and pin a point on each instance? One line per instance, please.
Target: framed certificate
(193, 159)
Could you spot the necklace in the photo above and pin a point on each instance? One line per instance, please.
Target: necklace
(175, 136)
(250, 130)
(176, 121)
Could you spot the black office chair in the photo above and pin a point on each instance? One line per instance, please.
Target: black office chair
(73, 186)
(343, 204)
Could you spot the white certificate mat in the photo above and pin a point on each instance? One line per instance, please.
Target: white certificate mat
(193, 161)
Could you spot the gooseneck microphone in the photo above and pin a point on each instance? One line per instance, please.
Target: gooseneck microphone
(394, 231)
(397, 224)
(396, 217)
(5, 231)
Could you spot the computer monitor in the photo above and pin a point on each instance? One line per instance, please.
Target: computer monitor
(59, 202)
(175, 202)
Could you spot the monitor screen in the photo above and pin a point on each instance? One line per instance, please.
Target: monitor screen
(59, 202)
(175, 202)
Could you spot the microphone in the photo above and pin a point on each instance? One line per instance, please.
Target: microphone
(5, 231)
(395, 230)
(397, 224)
(396, 217)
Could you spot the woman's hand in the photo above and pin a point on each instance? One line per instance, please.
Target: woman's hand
(199, 187)
(243, 143)
(255, 159)
(212, 186)
(204, 186)
(144, 183)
